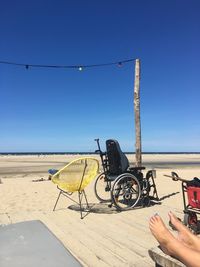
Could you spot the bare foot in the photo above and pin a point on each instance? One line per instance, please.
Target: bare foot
(171, 245)
(184, 234)
(161, 233)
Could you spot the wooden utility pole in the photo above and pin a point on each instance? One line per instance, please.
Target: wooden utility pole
(138, 146)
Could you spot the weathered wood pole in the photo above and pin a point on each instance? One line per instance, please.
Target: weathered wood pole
(138, 145)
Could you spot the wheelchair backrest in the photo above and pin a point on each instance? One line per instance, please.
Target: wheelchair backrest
(117, 160)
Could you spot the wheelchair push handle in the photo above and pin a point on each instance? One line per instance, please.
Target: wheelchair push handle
(100, 152)
(99, 148)
(102, 155)
(175, 177)
(97, 140)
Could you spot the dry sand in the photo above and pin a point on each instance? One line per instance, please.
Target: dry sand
(104, 237)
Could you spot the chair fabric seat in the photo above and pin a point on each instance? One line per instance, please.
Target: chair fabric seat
(76, 175)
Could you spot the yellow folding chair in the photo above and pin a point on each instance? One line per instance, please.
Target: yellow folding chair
(74, 177)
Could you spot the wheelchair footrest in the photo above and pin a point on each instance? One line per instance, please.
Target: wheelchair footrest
(137, 168)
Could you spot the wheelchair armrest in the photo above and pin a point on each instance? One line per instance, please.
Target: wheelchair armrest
(151, 174)
(137, 168)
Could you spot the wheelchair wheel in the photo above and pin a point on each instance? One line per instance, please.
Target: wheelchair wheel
(190, 220)
(126, 191)
(102, 189)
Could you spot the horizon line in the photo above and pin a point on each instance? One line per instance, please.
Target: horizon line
(88, 152)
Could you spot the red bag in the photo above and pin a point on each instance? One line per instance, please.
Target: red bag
(193, 194)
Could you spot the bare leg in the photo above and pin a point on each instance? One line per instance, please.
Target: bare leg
(171, 245)
(184, 234)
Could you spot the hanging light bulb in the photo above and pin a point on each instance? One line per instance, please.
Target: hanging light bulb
(80, 68)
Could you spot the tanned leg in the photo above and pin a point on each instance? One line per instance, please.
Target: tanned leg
(170, 244)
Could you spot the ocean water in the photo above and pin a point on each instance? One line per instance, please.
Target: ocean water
(89, 153)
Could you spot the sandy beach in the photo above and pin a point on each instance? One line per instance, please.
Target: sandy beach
(105, 237)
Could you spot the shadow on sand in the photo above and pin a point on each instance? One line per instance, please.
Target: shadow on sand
(106, 208)
(169, 195)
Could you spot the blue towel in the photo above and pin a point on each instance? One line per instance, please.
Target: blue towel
(52, 171)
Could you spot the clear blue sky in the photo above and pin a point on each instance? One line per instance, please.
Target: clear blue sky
(64, 110)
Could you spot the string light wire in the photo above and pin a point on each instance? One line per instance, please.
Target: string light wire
(79, 67)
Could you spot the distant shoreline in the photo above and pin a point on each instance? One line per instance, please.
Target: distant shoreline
(91, 153)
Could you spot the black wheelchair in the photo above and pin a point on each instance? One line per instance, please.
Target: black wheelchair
(120, 184)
